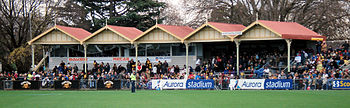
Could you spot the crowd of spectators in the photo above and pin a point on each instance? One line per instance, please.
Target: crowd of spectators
(308, 66)
(319, 68)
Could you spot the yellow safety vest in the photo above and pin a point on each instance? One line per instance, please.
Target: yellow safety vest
(133, 77)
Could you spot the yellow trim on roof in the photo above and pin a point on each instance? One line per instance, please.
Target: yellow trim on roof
(48, 31)
(316, 39)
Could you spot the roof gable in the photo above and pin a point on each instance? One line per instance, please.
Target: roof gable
(287, 30)
(225, 27)
(179, 32)
(220, 27)
(128, 33)
(76, 33)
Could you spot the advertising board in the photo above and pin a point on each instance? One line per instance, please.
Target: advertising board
(278, 84)
(169, 84)
(341, 84)
(199, 84)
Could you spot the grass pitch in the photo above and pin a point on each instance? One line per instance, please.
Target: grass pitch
(176, 99)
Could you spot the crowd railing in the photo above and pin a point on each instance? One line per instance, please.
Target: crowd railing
(143, 84)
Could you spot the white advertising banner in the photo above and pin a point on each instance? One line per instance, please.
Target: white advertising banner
(169, 84)
(247, 84)
(116, 59)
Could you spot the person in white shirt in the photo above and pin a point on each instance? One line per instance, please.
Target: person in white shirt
(297, 59)
(172, 69)
(267, 71)
(324, 80)
(198, 62)
(154, 69)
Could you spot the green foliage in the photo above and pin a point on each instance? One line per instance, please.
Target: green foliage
(20, 57)
(132, 13)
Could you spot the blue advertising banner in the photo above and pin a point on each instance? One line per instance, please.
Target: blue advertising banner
(341, 84)
(199, 84)
(278, 84)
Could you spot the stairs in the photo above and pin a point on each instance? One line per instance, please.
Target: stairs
(40, 63)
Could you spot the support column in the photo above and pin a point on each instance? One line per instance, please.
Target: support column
(187, 70)
(33, 59)
(44, 55)
(171, 50)
(237, 54)
(85, 58)
(136, 55)
(67, 49)
(120, 51)
(289, 42)
(146, 50)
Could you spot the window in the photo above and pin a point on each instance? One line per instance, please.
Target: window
(59, 51)
(140, 50)
(102, 51)
(158, 49)
(180, 50)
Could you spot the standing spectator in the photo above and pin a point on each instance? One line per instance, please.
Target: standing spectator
(318, 46)
(165, 67)
(133, 79)
(324, 47)
(75, 68)
(345, 46)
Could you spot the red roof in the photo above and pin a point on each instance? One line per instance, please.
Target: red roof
(291, 30)
(79, 33)
(179, 31)
(225, 27)
(129, 32)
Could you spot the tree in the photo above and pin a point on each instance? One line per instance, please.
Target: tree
(71, 13)
(327, 17)
(172, 13)
(200, 10)
(132, 13)
(15, 16)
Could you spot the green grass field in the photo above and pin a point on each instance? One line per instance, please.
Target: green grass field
(175, 99)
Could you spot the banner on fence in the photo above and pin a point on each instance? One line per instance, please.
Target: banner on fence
(247, 83)
(69, 85)
(169, 84)
(26, 85)
(341, 84)
(278, 84)
(199, 84)
(108, 84)
(116, 59)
